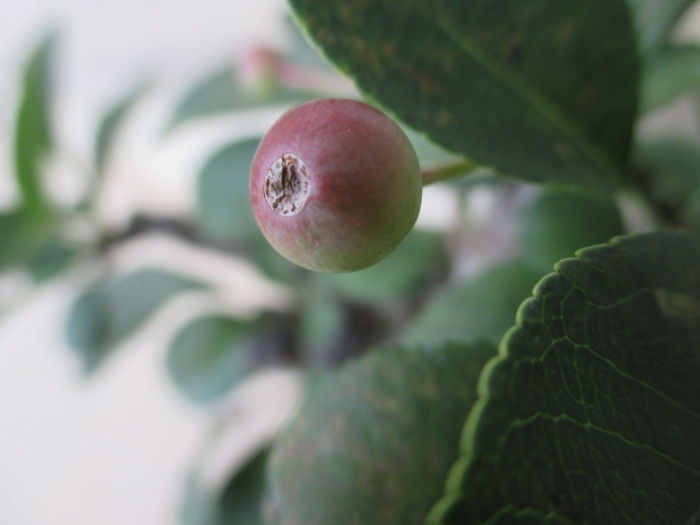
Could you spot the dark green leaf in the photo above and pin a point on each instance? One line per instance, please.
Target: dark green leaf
(482, 307)
(239, 503)
(222, 93)
(418, 260)
(590, 413)
(374, 442)
(112, 309)
(670, 73)
(654, 20)
(33, 127)
(210, 355)
(671, 167)
(559, 222)
(109, 126)
(539, 92)
(224, 212)
(692, 209)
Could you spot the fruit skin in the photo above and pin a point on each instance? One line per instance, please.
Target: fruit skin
(364, 185)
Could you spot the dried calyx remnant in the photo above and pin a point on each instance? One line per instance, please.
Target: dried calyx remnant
(287, 185)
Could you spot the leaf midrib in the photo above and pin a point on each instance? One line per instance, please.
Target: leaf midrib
(522, 90)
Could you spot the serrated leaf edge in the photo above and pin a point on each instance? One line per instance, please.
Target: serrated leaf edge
(468, 441)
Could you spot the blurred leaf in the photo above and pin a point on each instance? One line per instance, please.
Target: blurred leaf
(479, 79)
(215, 94)
(333, 330)
(671, 165)
(589, 415)
(272, 264)
(655, 19)
(112, 309)
(669, 73)
(691, 212)
(52, 256)
(197, 506)
(558, 222)
(110, 124)
(210, 355)
(479, 308)
(417, 261)
(375, 440)
(31, 241)
(224, 212)
(239, 502)
(33, 128)
(222, 93)
(321, 324)
(21, 235)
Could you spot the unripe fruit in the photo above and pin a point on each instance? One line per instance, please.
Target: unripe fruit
(259, 70)
(335, 185)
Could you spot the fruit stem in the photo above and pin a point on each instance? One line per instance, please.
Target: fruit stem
(447, 171)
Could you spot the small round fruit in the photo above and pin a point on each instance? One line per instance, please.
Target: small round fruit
(335, 185)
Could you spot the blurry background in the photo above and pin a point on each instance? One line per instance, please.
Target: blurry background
(114, 448)
(84, 443)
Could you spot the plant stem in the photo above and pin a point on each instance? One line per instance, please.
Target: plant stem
(446, 172)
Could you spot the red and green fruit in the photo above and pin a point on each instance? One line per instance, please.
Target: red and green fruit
(335, 185)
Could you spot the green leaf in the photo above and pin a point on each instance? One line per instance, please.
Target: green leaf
(558, 222)
(590, 412)
(671, 167)
(655, 19)
(541, 93)
(221, 93)
(32, 242)
(110, 125)
(374, 442)
(22, 235)
(670, 73)
(33, 127)
(239, 502)
(482, 307)
(321, 323)
(112, 309)
(210, 355)
(52, 256)
(418, 261)
(272, 264)
(224, 212)
(692, 209)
